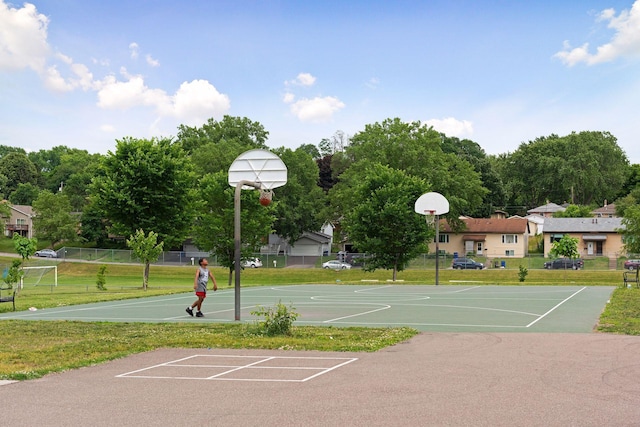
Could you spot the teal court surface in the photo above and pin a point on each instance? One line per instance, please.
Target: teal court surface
(444, 308)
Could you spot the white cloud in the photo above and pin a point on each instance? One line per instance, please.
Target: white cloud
(373, 83)
(132, 93)
(316, 110)
(151, 61)
(107, 128)
(196, 101)
(288, 98)
(625, 41)
(23, 38)
(193, 102)
(451, 126)
(134, 50)
(303, 79)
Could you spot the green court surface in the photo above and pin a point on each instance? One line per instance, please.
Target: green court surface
(448, 308)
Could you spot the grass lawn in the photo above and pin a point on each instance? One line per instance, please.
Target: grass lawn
(31, 349)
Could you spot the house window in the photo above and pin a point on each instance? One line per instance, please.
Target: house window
(443, 238)
(509, 252)
(21, 221)
(510, 238)
(555, 237)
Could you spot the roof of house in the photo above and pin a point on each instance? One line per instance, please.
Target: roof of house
(548, 208)
(491, 225)
(606, 210)
(582, 225)
(23, 209)
(315, 236)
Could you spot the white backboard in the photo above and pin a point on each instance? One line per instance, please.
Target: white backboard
(432, 204)
(258, 166)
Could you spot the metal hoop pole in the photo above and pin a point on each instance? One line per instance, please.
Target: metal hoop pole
(437, 217)
(236, 239)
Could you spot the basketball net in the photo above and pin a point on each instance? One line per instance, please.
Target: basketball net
(430, 216)
(265, 196)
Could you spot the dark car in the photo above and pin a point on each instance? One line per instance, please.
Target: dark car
(632, 264)
(564, 264)
(466, 264)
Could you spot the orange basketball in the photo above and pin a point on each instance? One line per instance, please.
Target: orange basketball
(265, 201)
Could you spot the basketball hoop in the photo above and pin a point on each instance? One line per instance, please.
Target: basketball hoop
(265, 196)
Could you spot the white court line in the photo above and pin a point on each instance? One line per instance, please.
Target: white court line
(372, 289)
(240, 367)
(255, 365)
(226, 310)
(556, 306)
(357, 314)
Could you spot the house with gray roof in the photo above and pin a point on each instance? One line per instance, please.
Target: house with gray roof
(547, 210)
(596, 236)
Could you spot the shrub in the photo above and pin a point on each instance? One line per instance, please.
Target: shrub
(102, 279)
(522, 274)
(278, 320)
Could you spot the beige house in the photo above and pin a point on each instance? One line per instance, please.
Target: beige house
(20, 221)
(486, 237)
(596, 236)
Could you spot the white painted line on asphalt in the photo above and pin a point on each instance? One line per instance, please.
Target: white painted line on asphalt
(556, 306)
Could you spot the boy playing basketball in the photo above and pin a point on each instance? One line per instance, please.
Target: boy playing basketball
(200, 286)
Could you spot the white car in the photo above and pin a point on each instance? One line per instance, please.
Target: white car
(47, 253)
(252, 263)
(336, 265)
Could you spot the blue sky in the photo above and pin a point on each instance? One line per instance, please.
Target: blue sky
(83, 73)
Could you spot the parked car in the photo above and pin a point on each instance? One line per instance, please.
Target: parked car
(252, 263)
(47, 253)
(336, 265)
(632, 264)
(564, 264)
(466, 264)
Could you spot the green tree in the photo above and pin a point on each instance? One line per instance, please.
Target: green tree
(383, 223)
(17, 168)
(575, 211)
(581, 168)
(230, 128)
(631, 199)
(631, 229)
(496, 196)
(214, 226)
(415, 149)
(566, 247)
(53, 219)
(73, 175)
(24, 246)
(14, 273)
(300, 201)
(94, 226)
(5, 213)
(147, 249)
(24, 194)
(148, 185)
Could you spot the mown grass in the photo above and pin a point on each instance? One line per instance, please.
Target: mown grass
(31, 349)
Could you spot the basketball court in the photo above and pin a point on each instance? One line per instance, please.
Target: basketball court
(444, 308)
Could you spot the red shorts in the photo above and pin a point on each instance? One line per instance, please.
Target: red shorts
(201, 294)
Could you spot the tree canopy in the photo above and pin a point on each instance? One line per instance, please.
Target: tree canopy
(148, 185)
(383, 223)
(581, 168)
